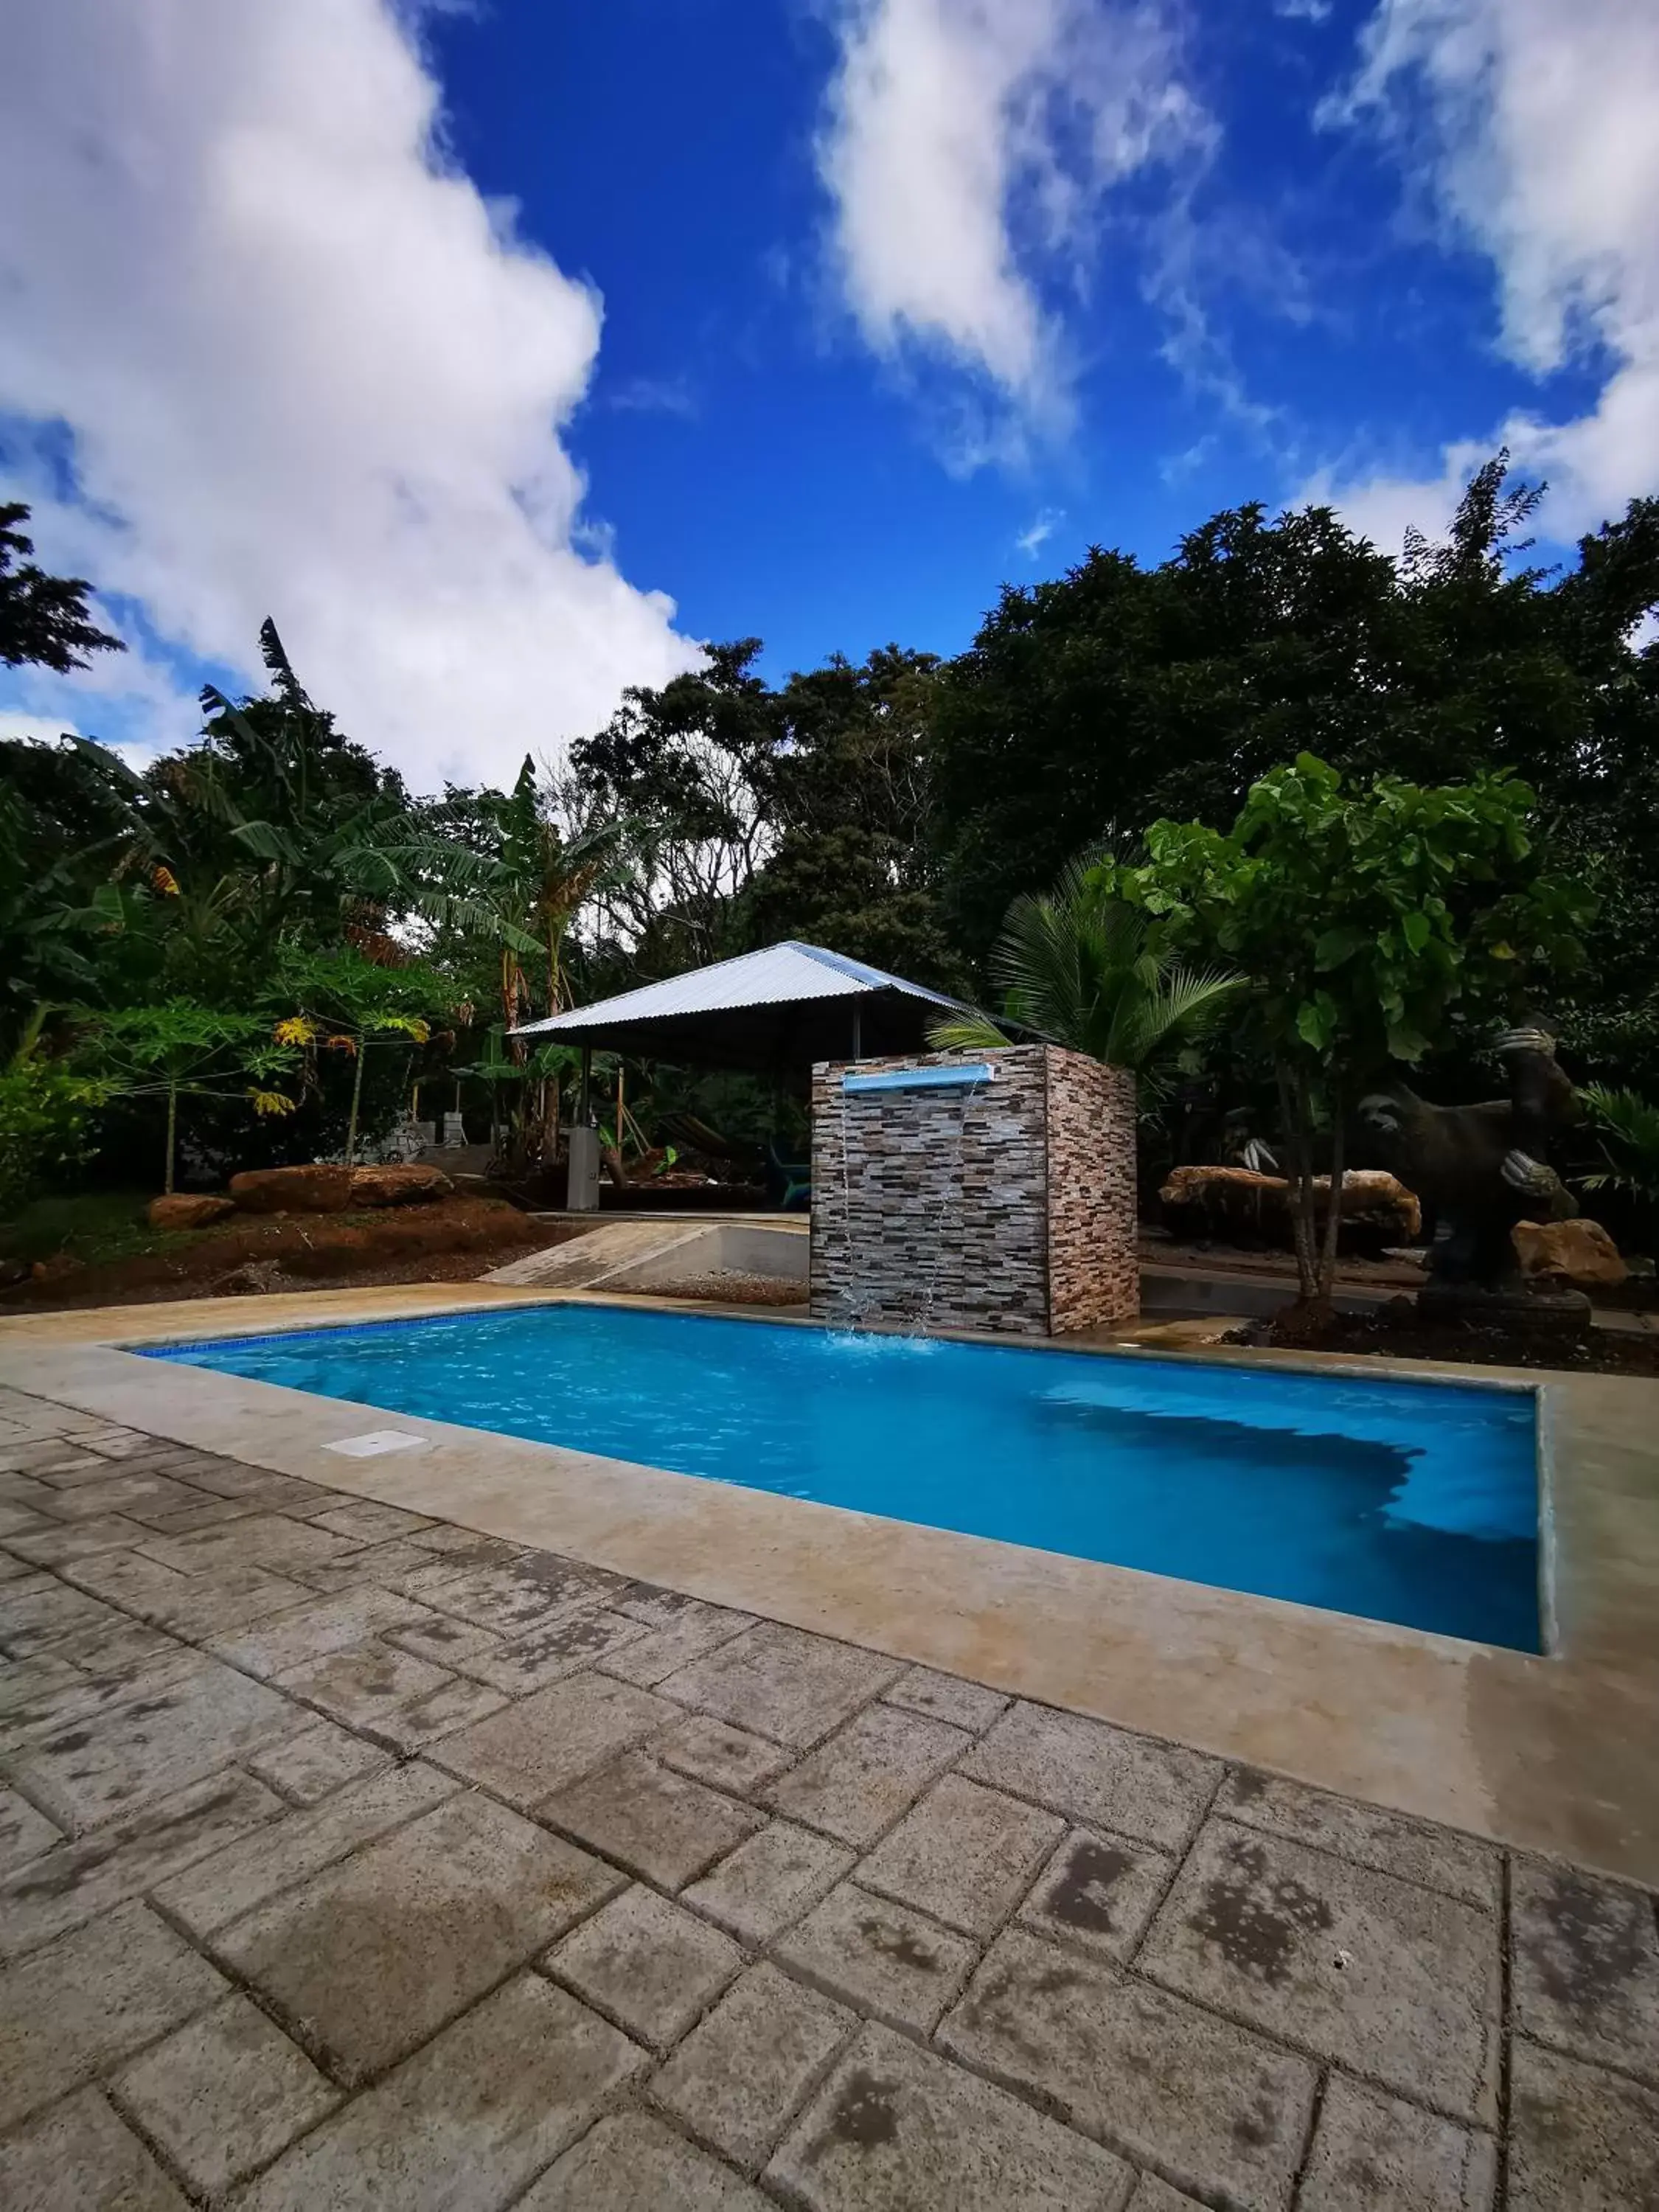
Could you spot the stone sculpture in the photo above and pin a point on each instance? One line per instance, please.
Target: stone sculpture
(1481, 1170)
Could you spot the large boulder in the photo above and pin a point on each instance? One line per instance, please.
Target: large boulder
(411, 1185)
(1577, 1252)
(1238, 1205)
(188, 1210)
(314, 1189)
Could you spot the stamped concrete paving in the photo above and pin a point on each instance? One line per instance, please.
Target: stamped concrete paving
(350, 1859)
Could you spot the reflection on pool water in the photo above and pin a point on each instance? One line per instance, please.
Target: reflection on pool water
(1414, 1502)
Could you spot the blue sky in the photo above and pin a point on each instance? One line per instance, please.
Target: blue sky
(464, 341)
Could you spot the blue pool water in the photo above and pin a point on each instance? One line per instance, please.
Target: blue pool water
(1410, 1502)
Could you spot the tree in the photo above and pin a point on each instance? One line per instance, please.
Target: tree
(340, 1001)
(848, 790)
(182, 1050)
(534, 875)
(1366, 920)
(1118, 693)
(542, 879)
(1088, 970)
(1123, 693)
(685, 768)
(48, 1115)
(43, 621)
(43, 891)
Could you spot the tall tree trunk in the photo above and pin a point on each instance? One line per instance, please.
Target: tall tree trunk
(172, 1135)
(1293, 1106)
(1334, 1208)
(356, 1100)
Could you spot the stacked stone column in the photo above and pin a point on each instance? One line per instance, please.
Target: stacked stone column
(1010, 1206)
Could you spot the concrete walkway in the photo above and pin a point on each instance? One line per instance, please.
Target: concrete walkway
(349, 1859)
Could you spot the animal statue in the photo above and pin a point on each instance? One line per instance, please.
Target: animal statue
(1482, 1169)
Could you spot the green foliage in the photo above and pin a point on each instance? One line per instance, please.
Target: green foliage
(848, 789)
(340, 1001)
(96, 1228)
(529, 877)
(757, 813)
(270, 869)
(1119, 692)
(1088, 970)
(59, 831)
(48, 1116)
(339, 988)
(182, 1050)
(1366, 920)
(1626, 1125)
(43, 622)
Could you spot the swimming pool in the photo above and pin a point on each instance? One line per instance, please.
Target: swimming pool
(1413, 1503)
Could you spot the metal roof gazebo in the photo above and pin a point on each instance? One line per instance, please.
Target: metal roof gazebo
(766, 1013)
(771, 1013)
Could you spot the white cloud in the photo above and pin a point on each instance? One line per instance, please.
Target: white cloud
(968, 147)
(1533, 125)
(310, 373)
(1303, 11)
(1030, 541)
(18, 724)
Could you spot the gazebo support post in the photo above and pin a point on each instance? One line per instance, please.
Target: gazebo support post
(582, 1173)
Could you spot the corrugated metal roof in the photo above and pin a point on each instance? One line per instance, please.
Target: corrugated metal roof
(781, 974)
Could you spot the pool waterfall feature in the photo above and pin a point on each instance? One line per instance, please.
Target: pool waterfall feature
(985, 1190)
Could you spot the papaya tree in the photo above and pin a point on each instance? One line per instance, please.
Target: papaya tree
(340, 1001)
(180, 1050)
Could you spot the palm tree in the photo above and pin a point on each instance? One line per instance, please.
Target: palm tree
(1628, 1127)
(1084, 970)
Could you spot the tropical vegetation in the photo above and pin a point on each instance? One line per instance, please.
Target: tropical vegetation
(1083, 968)
(1369, 920)
(1377, 803)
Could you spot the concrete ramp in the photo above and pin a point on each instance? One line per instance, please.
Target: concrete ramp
(633, 1255)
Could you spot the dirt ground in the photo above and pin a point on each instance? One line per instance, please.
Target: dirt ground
(453, 1239)
(1397, 1331)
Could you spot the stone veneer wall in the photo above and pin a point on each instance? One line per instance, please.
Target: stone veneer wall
(1008, 1208)
(1094, 1270)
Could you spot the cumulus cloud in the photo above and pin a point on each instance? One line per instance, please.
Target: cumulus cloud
(968, 150)
(18, 725)
(309, 372)
(1533, 125)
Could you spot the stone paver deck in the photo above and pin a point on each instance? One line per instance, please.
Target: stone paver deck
(349, 1859)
